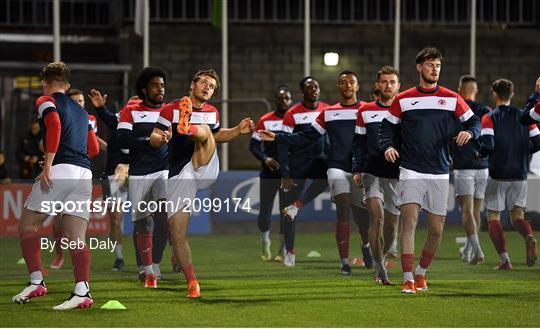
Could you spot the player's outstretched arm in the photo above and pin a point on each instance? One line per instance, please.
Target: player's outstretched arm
(299, 138)
(224, 135)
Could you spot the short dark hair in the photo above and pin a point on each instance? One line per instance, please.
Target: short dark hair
(427, 54)
(145, 76)
(466, 79)
(56, 71)
(73, 92)
(387, 69)
(305, 79)
(348, 72)
(211, 73)
(504, 89)
(282, 88)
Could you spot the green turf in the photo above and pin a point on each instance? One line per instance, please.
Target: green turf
(240, 290)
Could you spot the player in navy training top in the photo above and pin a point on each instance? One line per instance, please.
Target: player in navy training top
(470, 177)
(377, 176)
(338, 121)
(77, 96)
(192, 129)
(270, 176)
(148, 169)
(116, 171)
(297, 163)
(69, 142)
(509, 145)
(426, 117)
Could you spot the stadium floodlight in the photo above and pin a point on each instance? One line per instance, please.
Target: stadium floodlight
(331, 59)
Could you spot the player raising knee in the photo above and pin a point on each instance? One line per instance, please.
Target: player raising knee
(509, 146)
(193, 159)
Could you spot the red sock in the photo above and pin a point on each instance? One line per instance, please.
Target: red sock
(57, 235)
(407, 262)
(189, 273)
(80, 258)
(31, 250)
(426, 259)
(523, 227)
(144, 245)
(342, 238)
(497, 236)
(298, 204)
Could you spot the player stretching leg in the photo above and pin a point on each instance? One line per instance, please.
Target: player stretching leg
(338, 121)
(194, 164)
(470, 177)
(270, 177)
(378, 176)
(509, 146)
(426, 116)
(148, 169)
(297, 163)
(66, 177)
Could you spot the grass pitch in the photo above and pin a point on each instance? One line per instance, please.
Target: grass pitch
(239, 290)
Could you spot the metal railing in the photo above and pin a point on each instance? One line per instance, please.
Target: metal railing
(440, 12)
(108, 14)
(76, 14)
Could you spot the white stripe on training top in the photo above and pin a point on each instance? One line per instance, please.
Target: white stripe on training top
(209, 118)
(487, 131)
(534, 132)
(125, 125)
(163, 121)
(360, 130)
(305, 117)
(287, 129)
(45, 106)
(145, 116)
(373, 116)
(273, 125)
(428, 103)
(340, 115)
(318, 127)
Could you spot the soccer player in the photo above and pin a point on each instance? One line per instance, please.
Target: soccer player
(193, 159)
(509, 146)
(338, 121)
(531, 113)
(425, 115)
(470, 176)
(148, 170)
(69, 142)
(77, 96)
(297, 163)
(116, 170)
(378, 176)
(270, 176)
